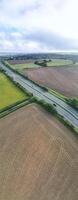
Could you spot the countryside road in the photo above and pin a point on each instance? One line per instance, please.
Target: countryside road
(62, 108)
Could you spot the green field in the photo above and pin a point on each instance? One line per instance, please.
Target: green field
(9, 93)
(20, 67)
(57, 62)
(54, 62)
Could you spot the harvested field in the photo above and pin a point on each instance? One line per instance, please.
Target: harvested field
(14, 62)
(38, 157)
(53, 62)
(62, 79)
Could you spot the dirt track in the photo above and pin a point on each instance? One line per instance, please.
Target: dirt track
(62, 79)
(38, 157)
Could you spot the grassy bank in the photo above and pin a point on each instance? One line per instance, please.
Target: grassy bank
(73, 102)
(51, 109)
(58, 95)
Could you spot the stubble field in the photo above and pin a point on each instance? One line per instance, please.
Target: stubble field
(62, 79)
(14, 62)
(38, 157)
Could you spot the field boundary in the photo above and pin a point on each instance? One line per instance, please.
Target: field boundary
(14, 107)
(50, 62)
(44, 88)
(19, 70)
(25, 77)
(19, 103)
(57, 94)
(15, 83)
(48, 107)
(65, 121)
(64, 108)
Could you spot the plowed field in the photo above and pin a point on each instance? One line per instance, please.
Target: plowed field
(62, 79)
(38, 157)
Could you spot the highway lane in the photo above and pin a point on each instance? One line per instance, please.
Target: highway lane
(62, 108)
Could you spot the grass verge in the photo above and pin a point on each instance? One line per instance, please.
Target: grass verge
(14, 107)
(73, 102)
(51, 109)
(58, 95)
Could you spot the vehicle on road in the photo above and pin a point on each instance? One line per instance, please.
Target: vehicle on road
(54, 104)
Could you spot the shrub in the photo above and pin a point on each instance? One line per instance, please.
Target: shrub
(73, 102)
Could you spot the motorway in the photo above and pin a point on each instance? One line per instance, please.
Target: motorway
(62, 108)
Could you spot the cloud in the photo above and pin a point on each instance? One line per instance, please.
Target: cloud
(51, 40)
(44, 25)
(36, 41)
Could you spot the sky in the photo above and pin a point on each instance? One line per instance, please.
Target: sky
(32, 26)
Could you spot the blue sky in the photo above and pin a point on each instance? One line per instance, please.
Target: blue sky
(38, 25)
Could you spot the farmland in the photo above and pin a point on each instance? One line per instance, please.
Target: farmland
(22, 64)
(58, 62)
(62, 79)
(59, 75)
(38, 157)
(20, 61)
(9, 93)
(27, 64)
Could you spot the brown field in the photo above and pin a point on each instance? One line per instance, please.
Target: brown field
(63, 79)
(12, 62)
(38, 157)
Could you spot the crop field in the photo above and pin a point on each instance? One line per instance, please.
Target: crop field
(62, 79)
(20, 61)
(19, 67)
(22, 64)
(58, 62)
(29, 64)
(9, 93)
(38, 157)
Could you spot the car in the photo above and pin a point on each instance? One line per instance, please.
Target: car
(54, 104)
